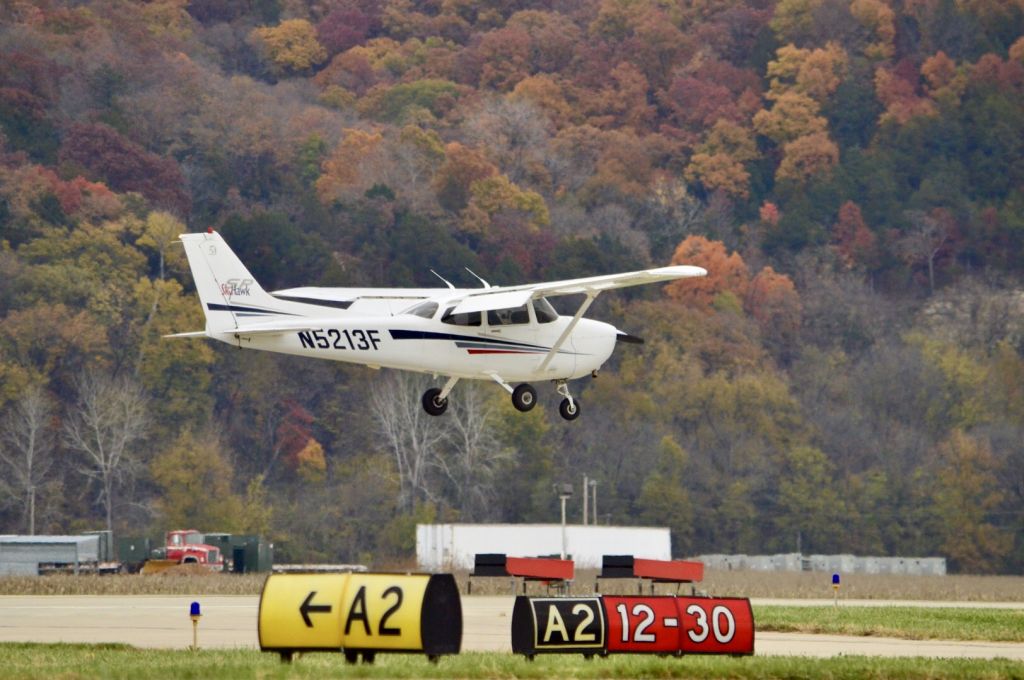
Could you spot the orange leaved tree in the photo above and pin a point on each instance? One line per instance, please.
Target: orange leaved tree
(727, 273)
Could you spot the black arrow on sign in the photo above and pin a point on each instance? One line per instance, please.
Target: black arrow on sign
(307, 607)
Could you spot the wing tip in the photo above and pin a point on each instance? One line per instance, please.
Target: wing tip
(680, 271)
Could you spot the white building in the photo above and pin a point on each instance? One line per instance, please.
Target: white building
(453, 546)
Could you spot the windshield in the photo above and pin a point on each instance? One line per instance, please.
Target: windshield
(425, 310)
(544, 311)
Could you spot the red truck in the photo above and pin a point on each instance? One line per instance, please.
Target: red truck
(185, 546)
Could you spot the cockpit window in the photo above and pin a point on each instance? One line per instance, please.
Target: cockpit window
(463, 319)
(425, 310)
(544, 311)
(511, 316)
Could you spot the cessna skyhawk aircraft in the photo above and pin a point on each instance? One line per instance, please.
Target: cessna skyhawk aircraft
(508, 334)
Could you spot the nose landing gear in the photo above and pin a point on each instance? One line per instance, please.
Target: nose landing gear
(569, 408)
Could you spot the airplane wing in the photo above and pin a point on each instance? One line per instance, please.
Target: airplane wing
(516, 296)
(597, 284)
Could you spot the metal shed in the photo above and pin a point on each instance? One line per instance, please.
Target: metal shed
(23, 555)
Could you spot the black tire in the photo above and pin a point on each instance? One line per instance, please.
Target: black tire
(570, 410)
(524, 397)
(433, 405)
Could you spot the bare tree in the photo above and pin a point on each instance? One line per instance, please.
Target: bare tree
(412, 170)
(413, 437)
(27, 445)
(924, 241)
(472, 461)
(109, 416)
(514, 132)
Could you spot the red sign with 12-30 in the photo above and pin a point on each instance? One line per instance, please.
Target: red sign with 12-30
(655, 624)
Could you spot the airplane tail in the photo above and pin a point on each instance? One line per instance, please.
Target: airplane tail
(228, 292)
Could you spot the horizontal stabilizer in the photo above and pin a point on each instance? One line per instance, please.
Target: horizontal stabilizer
(280, 328)
(193, 334)
(277, 328)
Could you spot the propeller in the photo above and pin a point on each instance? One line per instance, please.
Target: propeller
(631, 339)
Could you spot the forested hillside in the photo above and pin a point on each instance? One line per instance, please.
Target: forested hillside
(849, 377)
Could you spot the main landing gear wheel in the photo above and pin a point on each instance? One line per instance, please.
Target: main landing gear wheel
(570, 409)
(524, 397)
(431, 402)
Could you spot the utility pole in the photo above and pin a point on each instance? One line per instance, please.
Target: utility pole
(586, 495)
(593, 485)
(564, 492)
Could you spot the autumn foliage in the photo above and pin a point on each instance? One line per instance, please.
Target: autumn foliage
(864, 156)
(727, 273)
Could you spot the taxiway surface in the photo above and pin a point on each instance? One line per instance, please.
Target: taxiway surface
(162, 621)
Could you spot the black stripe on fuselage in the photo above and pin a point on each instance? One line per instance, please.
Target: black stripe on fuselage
(239, 309)
(432, 335)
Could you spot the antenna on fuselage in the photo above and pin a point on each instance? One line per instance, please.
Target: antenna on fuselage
(486, 285)
(446, 281)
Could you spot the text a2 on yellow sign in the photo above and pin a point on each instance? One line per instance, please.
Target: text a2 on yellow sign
(371, 612)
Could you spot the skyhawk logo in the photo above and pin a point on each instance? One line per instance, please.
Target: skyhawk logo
(234, 287)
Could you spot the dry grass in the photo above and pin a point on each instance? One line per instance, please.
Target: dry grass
(952, 588)
(754, 584)
(798, 585)
(171, 582)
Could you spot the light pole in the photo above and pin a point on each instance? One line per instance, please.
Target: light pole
(586, 495)
(593, 485)
(564, 492)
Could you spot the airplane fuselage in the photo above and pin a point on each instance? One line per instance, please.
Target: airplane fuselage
(411, 343)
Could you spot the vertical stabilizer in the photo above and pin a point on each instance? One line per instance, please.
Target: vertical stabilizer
(228, 292)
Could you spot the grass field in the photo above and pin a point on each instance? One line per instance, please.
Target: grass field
(909, 623)
(70, 662)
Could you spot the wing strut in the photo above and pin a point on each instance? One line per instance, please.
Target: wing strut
(501, 381)
(447, 389)
(591, 296)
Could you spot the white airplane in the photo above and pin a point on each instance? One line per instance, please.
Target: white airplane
(508, 334)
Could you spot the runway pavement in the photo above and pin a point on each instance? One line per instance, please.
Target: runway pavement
(230, 622)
